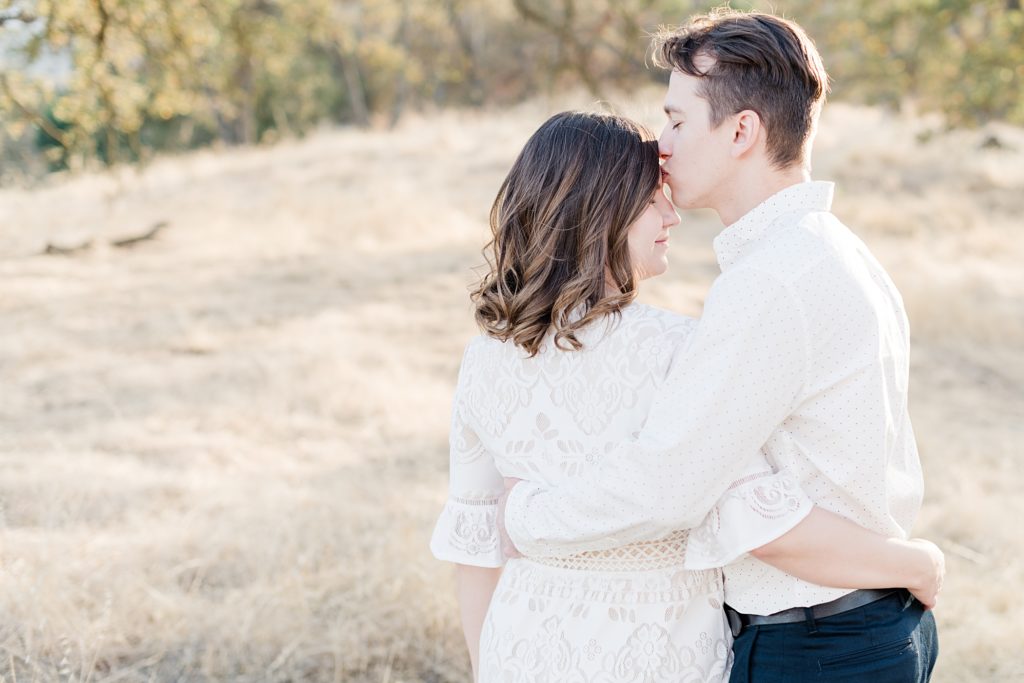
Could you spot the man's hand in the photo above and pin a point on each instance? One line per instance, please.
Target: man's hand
(508, 548)
(933, 565)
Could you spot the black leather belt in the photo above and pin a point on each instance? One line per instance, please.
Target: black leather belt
(738, 621)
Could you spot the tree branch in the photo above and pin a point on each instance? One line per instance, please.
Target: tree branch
(21, 15)
(44, 123)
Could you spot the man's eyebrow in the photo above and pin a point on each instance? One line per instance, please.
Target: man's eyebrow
(669, 110)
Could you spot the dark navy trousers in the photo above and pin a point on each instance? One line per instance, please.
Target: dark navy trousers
(892, 640)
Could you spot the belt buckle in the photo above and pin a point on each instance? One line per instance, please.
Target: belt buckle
(735, 622)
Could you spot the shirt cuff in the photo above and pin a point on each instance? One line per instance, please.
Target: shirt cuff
(516, 519)
(755, 511)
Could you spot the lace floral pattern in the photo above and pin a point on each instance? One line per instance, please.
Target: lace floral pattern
(499, 391)
(467, 532)
(473, 531)
(465, 444)
(755, 510)
(679, 636)
(767, 495)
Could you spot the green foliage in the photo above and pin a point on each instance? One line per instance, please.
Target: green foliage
(173, 74)
(962, 58)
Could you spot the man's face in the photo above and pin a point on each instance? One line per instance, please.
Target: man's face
(696, 158)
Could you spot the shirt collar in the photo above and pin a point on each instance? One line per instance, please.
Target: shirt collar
(752, 226)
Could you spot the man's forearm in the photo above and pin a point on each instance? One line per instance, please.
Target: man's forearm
(565, 520)
(721, 401)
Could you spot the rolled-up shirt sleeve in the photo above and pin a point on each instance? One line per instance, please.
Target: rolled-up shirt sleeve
(726, 392)
(466, 531)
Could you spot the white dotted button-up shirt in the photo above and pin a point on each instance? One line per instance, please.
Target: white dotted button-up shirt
(802, 353)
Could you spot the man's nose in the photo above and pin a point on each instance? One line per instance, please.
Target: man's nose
(663, 149)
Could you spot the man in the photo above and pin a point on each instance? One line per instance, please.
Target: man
(802, 351)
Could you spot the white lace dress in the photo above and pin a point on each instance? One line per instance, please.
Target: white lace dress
(629, 613)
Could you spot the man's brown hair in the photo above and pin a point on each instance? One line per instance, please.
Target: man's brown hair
(761, 62)
(560, 226)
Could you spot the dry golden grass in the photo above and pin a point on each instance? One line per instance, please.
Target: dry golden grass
(223, 450)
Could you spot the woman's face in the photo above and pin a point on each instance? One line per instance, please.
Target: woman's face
(648, 236)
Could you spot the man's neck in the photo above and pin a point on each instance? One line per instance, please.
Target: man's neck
(747, 192)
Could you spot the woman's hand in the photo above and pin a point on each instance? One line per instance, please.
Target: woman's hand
(931, 572)
(508, 548)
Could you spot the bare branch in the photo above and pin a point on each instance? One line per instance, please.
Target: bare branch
(135, 239)
(21, 15)
(44, 123)
(531, 14)
(66, 250)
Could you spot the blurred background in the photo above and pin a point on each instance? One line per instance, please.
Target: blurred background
(121, 80)
(236, 238)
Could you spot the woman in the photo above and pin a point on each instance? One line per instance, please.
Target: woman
(566, 368)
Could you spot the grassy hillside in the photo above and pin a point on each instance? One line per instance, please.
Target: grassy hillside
(222, 449)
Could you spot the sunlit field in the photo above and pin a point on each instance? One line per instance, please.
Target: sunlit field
(223, 447)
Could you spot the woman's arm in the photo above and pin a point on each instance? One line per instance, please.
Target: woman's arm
(466, 533)
(474, 587)
(830, 550)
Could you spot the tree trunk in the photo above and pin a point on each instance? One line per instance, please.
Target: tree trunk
(402, 89)
(247, 118)
(476, 86)
(349, 68)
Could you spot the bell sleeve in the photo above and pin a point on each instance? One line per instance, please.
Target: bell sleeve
(757, 508)
(467, 531)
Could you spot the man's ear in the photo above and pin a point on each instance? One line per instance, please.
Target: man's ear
(747, 130)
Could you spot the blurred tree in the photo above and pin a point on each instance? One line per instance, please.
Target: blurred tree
(145, 75)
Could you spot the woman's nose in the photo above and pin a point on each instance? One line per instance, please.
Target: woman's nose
(671, 218)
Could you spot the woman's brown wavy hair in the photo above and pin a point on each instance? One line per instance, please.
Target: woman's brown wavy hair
(560, 224)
